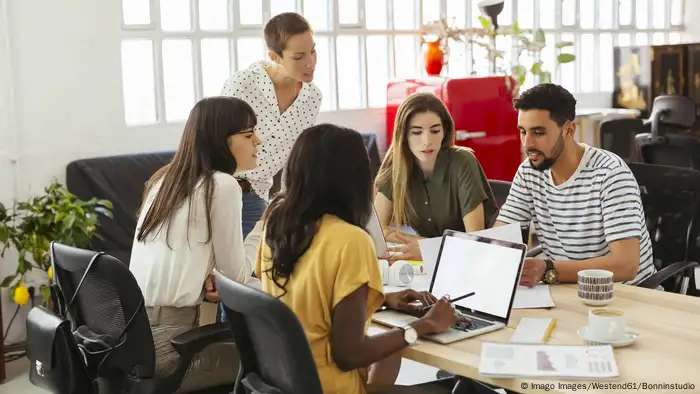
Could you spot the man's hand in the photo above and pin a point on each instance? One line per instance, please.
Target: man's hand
(402, 300)
(408, 251)
(533, 269)
(210, 293)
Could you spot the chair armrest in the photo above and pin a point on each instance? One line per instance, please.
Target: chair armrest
(670, 271)
(255, 385)
(193, 341)
(534, 251)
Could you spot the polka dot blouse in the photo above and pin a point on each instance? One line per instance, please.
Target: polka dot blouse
(276, 131)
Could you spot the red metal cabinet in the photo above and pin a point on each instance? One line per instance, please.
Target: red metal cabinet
(483, 113)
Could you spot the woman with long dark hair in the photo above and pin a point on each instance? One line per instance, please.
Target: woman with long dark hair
(318, 259)
(190, 223)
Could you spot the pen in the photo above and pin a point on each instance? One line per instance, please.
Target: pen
(425, 309)
(462, 297)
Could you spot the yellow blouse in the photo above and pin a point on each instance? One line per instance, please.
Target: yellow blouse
(341, 258)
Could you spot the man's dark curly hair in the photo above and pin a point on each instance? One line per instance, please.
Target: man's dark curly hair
(548, 96)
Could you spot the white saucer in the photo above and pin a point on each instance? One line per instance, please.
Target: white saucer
(629, 338)
(595, 302)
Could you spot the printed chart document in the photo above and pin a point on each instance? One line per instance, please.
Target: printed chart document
(546, 361)
(533, 297)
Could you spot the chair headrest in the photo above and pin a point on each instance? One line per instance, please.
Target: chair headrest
(674, 111)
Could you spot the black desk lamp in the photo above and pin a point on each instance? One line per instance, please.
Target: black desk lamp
(492, 8)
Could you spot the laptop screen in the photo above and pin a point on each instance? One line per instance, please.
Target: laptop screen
(490, 268)
(374, 228)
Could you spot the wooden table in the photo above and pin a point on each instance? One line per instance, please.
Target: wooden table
(667, 351)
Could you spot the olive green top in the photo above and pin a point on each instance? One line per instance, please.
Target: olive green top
(456, 187)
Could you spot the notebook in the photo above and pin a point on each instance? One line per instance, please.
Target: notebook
(499, 360)
(533, 330)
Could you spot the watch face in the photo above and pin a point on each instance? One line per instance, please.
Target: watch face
(551, 276)
(410, 335)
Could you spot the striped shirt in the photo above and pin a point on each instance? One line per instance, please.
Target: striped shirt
(577, 220)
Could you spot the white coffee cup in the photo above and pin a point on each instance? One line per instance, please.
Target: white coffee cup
(607, 324)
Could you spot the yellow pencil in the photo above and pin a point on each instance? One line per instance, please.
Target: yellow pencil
(548, 333)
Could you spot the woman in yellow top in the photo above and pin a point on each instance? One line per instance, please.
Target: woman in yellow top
(428, 183)
(316, 257)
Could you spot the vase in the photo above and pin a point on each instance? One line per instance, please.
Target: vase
(434, 58)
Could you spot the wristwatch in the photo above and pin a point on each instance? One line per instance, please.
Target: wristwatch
(410, 336)
(550, 273)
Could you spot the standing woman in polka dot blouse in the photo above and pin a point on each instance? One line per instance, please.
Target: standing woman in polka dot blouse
(285, 102)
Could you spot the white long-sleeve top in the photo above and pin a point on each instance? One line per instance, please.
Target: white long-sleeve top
(174, 276)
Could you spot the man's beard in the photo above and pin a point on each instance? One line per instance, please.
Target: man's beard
(548, 162)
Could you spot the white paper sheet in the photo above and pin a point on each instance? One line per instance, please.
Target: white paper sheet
(697, 278)
(430, 247)
(533, 297)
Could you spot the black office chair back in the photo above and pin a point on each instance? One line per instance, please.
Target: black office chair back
(107, 299)
(618, 136)
(670, 198)
(675, 150)
(500, 191)
(663, 145)
(274, 350)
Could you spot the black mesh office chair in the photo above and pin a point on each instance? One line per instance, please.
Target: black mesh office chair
(618, 136)
(671, 198)
(663, 145)
(259, 321)
(108, 297)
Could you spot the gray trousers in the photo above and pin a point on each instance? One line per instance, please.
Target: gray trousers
(216, 365)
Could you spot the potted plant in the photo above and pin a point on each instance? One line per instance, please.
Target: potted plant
(31, 226)
(525, 40)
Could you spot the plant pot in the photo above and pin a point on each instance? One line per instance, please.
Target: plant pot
(434, 58)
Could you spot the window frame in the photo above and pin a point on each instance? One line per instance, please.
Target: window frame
(153, 31)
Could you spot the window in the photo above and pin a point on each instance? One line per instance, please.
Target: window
(174, 52)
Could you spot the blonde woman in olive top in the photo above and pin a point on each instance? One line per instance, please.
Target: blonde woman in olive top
(428, 183)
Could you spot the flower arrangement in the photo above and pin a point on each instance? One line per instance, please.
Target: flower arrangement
(31, 226)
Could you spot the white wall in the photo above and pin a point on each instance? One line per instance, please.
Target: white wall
(60, 99)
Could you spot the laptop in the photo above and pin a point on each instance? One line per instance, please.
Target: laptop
(467, 263)
(374, 228)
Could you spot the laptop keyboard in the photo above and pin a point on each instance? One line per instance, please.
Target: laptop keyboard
(474, 324)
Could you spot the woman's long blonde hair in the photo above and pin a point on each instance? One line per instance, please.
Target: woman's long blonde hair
(399, 161)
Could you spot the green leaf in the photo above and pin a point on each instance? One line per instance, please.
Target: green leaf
(566, 58)
(536, 68)
(516, 28)
(485, 23)
(8, 280)
(68, 221)
(539, 36)
(564, 44)
(4, 233)
(546, 77)
(105, 203)
(22, 264)
(521, 79)
(519, 70)
(45, 293)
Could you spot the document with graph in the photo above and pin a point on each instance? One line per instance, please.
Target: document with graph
(575, 362)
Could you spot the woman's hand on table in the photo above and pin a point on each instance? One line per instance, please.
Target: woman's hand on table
(408, 251)
(405, 300)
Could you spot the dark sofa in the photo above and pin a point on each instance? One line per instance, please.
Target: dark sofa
(120, 179)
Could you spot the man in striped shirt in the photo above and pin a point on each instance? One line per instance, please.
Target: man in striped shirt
(584, 202)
